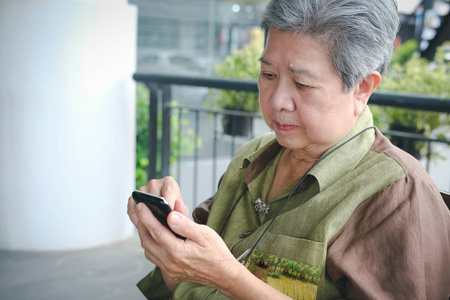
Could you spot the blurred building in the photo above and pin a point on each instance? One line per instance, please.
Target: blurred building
(189, 37)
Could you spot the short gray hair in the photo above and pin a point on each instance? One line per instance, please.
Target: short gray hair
(358, 34)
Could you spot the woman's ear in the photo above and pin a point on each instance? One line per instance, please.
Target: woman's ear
(364, 90)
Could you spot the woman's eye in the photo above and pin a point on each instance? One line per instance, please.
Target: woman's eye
(268, 75)
(301, 86)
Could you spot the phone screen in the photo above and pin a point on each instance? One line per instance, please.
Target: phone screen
(158, 205)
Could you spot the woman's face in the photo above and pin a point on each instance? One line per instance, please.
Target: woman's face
(301, 96)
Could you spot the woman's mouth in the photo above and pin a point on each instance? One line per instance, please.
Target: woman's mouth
(284, 127)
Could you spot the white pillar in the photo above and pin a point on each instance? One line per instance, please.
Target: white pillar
(67, 122)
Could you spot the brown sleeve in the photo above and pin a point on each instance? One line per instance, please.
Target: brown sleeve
(396, 245)
(201, 212)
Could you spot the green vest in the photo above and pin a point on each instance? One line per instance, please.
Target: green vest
(291, 256)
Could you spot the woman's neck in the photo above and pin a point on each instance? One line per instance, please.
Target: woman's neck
(291, 167)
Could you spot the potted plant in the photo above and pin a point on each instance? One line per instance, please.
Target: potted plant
(414, 75)
(242, 64)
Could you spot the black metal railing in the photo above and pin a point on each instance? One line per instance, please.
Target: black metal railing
(160, 100)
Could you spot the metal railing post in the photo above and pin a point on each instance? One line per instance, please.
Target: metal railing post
(152, 130)
(428, 156)
(165, 137)
(180, 141)
(197, 133)
(214, 155)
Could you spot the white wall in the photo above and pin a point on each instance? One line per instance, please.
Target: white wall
(67, 122)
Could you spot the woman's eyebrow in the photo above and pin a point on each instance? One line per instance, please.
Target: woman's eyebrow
(262, 60)
(304, 72)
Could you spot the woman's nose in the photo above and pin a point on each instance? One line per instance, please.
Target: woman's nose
(282, 98)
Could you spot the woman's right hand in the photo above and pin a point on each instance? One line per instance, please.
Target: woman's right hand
(169, 189)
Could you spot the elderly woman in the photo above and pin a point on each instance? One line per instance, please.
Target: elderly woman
(324, 207)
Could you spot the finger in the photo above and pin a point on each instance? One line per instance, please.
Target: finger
(148, 245)
(131, 211)
(184, 226)
(153, 251)
(162, 235)
(166, 187)
(171, 191)
(161, 187)
(182, 208)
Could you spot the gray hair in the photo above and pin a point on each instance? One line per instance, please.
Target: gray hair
(358, 34)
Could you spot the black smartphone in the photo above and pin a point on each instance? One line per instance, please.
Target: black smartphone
(158, 205)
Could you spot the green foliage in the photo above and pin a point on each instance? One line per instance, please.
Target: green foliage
(404, 52)
(142, 117)
(243, 64)
(188, 143)
(417, 76)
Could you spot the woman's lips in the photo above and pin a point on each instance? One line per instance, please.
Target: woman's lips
(284, 127)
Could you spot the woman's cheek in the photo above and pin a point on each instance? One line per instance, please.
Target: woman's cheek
(266, 111)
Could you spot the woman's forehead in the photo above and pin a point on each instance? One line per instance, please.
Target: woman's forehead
(298, 53)
(294, 42)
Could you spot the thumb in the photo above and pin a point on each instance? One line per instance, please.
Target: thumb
(184, 226)
(181, 207)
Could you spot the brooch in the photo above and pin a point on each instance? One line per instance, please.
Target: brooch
(260, 206)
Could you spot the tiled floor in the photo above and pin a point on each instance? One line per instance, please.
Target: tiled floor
(109, 272)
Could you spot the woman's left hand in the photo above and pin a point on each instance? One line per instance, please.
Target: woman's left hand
(203, 257)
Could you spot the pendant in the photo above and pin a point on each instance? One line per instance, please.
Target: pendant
(260, 206)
